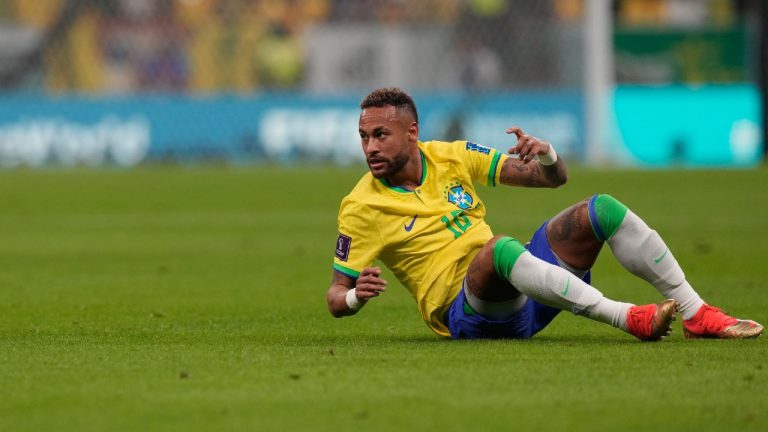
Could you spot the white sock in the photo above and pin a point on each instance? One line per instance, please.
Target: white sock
(556, 287)
(642, 251)
(498, 310)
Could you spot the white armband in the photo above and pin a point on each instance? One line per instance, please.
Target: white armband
(352, 301)
(550, 158)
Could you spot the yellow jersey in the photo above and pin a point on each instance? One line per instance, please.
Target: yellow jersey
(427, 237)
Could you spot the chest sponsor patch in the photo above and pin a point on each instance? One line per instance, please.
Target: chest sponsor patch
(343, 244)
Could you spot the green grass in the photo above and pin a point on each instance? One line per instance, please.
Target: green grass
(194, 299)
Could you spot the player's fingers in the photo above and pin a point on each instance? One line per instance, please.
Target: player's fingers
(366, 295)
(516, 130)
(375, 271)
(534, 150)
(518, 146)
(366, 291)
(525, 148)
(538, 147)
(541, 148)
(372, 281)
(528, 158)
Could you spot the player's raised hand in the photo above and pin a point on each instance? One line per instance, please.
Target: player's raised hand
(370, 284)
(527, 146)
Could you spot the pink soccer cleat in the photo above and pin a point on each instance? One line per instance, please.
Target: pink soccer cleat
(711, 322)
(651, 322)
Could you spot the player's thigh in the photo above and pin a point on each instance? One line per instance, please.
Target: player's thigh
(482, 280)
(571, 237)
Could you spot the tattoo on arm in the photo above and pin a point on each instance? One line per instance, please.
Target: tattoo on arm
(515, 173)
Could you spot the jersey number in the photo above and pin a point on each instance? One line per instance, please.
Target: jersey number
(458, 224)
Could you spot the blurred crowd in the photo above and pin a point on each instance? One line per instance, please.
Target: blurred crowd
(203, 46)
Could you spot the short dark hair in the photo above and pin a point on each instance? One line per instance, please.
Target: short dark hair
(390, 96)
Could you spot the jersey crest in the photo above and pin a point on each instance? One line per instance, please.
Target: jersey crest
(457, 196)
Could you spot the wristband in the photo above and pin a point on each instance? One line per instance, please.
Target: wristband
(352, 301)
(550, 158)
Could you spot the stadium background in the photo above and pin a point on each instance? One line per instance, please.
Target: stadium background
(88, 82)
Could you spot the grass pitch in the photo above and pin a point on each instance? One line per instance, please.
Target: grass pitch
(194, 299)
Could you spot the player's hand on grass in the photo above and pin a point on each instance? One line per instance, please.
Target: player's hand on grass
(527, 146)
(369, 284)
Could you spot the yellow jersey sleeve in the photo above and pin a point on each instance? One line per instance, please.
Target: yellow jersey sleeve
(359, 241)
(484, 163)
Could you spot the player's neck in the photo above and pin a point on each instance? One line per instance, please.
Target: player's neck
(411, 175)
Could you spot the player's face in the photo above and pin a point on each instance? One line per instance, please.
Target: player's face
(387, 136)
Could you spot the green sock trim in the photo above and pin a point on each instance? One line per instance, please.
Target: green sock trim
(610, 214)
(506, 251)
(468, 309)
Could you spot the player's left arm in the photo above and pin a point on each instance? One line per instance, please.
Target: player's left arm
(524, 170)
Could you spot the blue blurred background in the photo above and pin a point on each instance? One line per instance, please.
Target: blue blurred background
(651, 83)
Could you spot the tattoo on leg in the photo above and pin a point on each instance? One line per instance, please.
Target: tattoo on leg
(484, 283)
(572, 238)
(472, 284)
(568, 224)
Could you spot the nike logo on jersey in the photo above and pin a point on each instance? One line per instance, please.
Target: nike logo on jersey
(409, 227)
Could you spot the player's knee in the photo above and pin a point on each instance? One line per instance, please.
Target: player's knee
(605, 215)
(506, 251)
(487, 252)
(492, 242)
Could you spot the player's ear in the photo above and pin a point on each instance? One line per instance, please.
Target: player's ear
(413, 132)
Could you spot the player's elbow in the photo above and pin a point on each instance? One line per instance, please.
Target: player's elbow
(333, 306)
(556, 182)
(334, 312)
(561, 180)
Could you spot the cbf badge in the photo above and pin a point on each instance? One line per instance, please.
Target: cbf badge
(456, 195)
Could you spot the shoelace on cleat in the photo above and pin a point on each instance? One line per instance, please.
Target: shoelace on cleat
(713, 320)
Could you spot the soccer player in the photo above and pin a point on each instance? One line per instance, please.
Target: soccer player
(418, 211)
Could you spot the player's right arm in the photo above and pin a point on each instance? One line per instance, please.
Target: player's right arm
(527, 172)
(367, 286)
